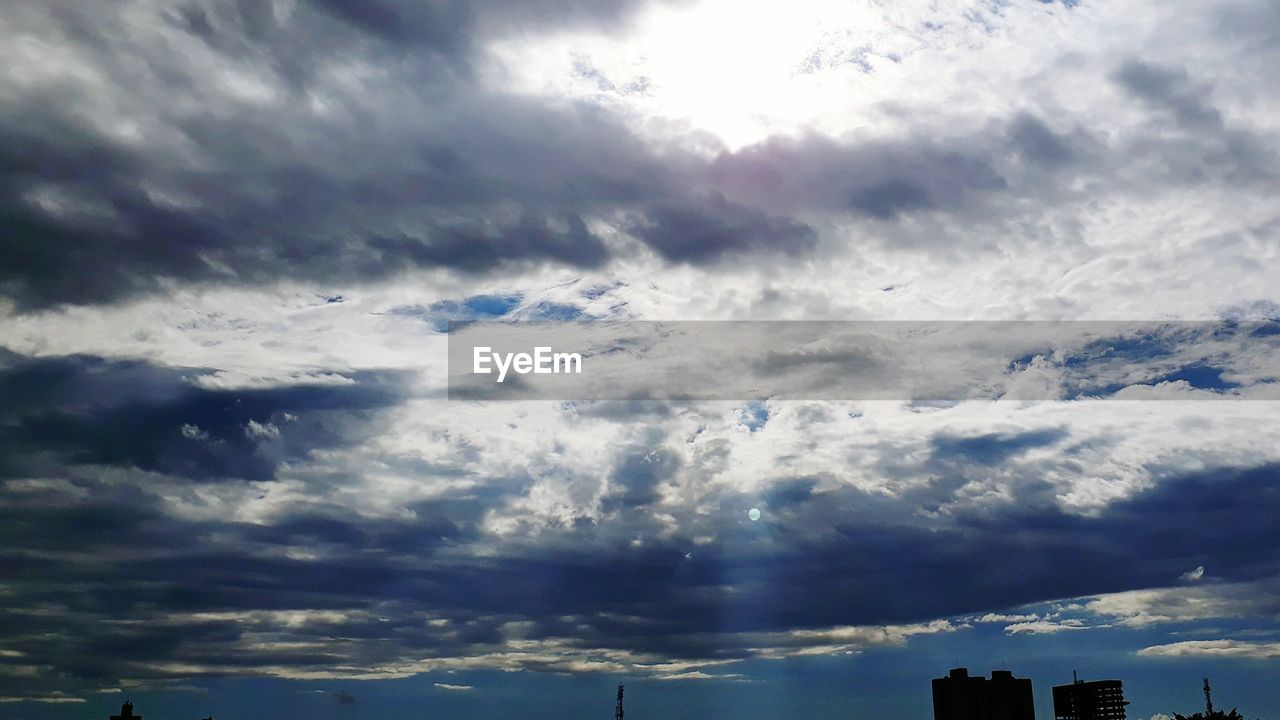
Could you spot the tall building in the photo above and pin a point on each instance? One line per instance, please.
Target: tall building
(126, 713)
(1097, 700)
(961, 697)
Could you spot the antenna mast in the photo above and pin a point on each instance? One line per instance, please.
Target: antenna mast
(618, 713)
(1208, 700)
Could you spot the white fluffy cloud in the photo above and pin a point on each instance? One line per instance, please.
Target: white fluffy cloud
(1214, 648)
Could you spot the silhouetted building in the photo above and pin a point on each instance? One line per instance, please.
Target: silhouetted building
(1097, 700)
(126, 713)
(961, 697)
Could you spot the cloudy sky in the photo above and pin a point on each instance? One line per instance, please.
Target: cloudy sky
(232, 235)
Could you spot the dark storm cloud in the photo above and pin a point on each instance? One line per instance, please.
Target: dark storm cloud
(710, 230)
(112, 236)
(242, 192)
(157, 589)
(307, 225)
(472, 248)
(873, 572)
(87, 410)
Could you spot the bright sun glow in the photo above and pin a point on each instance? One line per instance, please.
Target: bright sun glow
(741, 71)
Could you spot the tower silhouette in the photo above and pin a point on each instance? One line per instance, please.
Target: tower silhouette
(618, 712)
(126, 712)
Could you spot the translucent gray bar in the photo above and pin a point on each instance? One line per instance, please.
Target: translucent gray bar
(864, 360)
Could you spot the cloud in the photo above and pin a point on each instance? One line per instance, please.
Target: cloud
(89, 410)
(1044, 627)
(287, 182)
(455, 688)
(711, 230)
(621, 570)
(52, 698)
(877, 179)
(1004, 618)
(1139, 608)
(1214, 648)
(994, 448)
(1170, 89)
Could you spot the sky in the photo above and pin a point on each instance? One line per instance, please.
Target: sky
(233, 236)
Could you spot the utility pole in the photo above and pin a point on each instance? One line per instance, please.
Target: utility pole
(1208, 700)
(618, 713)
